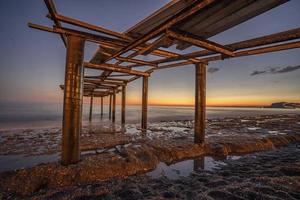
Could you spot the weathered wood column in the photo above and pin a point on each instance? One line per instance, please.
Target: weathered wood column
(110, 102)
(72, 109)
(101, 107)
(123, 104)
(200, 103)
(91, 107)
(144, 103)
(114, 107)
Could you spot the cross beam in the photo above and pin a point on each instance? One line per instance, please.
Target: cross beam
(200, 42)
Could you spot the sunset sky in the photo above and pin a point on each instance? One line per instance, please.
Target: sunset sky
(33, 62)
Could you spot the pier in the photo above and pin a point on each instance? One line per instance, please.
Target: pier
(181, 23)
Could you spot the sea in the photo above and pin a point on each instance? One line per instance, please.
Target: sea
(44, 115)
(18, 117)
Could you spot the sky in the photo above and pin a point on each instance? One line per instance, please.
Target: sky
(33, 62)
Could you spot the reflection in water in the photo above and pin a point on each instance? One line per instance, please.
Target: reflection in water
(185, 168)
(12, 162)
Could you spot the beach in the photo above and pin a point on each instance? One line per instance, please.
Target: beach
(115, 156)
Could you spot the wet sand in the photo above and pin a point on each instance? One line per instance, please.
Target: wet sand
(122, 152)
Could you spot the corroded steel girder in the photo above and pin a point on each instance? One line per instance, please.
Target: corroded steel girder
(123, 104)
(200, 103)
(144, 103)
(72, 111)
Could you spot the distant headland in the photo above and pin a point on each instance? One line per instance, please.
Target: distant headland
(286, 105)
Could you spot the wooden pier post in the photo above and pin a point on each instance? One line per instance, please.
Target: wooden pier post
(101, 107)
(123, 104)
(114, 107)
(200, 103)
(91, 107)
(72, 109)
(110, 102)
(144, 103)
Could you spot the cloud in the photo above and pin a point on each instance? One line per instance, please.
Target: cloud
(213, 70)
(288, 69)
(276, 70)
(257, 73)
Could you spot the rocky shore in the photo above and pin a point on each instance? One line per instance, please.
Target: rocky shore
(168, 142)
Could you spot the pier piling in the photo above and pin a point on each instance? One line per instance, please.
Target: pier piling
(200, 103)
(144, 103)
(73, 96)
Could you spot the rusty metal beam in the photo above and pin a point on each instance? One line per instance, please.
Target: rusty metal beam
(97, 81)
(144, 103)
(101, 104)
(82, 24)
(132, 60)
(162, 41)
(269, 49)
(91, 107)
(123, 109)
(72, 111)
(114, 68)
(200, 42)
(200, 103)
(114, 107)
(52, 11)
(117, 79)
(166, 25)
(110, 105)
(251, 43)
(88, 36)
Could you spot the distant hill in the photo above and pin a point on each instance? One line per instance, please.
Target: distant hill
(284, 105)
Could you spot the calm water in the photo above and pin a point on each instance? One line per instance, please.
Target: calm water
(50, 115)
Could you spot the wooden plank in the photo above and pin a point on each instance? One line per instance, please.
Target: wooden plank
(115, 68)
(200, 42)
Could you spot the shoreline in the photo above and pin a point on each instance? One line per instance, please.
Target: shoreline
(118, 154)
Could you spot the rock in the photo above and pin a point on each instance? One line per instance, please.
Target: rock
(220, 195)
(216, 184)
(290, 170)
(129, 194)
(169, 194)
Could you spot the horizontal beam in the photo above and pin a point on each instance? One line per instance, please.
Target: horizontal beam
(162, 41)
(166, 25)
(103, 82)
(116, 79)
(82, 24)
(262, 50)
(200, 42)
(251, 43)
(132, 60)
(114, 68)
(88, 36)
